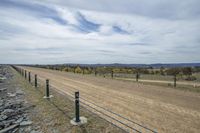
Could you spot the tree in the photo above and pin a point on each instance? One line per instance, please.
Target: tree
(187, 71)
(172, 71)
(162, 70)
(196, 69)
(65, 69)
(78, 69)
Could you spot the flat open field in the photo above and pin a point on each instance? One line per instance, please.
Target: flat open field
(161, 108)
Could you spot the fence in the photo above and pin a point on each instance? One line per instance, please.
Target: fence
(180, 81)
(114, 118)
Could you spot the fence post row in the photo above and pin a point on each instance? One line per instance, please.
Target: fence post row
(35, 80)
(29, 76)
(77, 107)
(24, 72)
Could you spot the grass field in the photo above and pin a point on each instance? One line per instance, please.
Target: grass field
(162, 108)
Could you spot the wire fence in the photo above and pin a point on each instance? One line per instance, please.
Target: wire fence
(114, 118)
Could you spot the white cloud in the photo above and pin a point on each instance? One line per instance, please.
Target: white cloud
(26, 36)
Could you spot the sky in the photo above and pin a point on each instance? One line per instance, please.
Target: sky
(99, 31)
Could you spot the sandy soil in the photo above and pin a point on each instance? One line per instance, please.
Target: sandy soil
(161, 108)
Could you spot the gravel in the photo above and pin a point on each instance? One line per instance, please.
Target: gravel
(13, 106)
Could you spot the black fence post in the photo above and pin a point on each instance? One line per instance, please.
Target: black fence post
(22, 72)
(175, 80)
(29, 77)
(25, 74)
(77, 107)
(47, 88)
(95, 72)
(112, 73)
(137, 76)
(35, 80)
(83, 71)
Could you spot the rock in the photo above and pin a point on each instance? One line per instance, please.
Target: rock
(8, 129)
(3, 89)
(11, 94)
(19, 92)
(16, 130)
(3, 78)
(14, 116)
(7, 111)
(37, 127)
(1, 125)
(19, 120)
(25, 123)
(8, 122)
(34, 131)
(1, 102)
(27, 130)
(13, 104)
(3, 117)
(24, 115)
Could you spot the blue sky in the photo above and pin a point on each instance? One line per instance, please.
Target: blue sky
(91, 31)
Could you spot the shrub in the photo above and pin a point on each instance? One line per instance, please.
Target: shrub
(78, 70)
(190, 78)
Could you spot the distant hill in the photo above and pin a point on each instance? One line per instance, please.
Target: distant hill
(140, 65)
(158, 65)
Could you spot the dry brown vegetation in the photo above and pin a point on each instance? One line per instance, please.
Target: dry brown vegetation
(161, 108)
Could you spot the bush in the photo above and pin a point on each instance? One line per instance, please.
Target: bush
(78, 70)
(191, 78)
(65, 69)
(187, 71)
(173, 71)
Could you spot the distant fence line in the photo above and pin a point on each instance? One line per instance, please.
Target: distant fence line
(136, 76)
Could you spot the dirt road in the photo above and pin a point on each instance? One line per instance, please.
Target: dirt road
(161, 108)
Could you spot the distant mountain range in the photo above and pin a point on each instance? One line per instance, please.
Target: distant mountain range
(158, 65)
(141, 65)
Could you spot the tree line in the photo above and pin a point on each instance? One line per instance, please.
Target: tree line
(102, 70)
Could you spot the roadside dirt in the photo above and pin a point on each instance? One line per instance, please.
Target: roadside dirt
(161, 108)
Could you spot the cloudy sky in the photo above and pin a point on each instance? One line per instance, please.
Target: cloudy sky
(99, 31)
